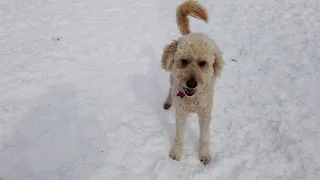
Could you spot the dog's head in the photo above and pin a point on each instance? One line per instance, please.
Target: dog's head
(194, 61)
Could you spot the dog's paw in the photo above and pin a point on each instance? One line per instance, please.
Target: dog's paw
(175, 155)
(167, 105)
(205, 158)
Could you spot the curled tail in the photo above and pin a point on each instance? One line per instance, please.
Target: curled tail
(191, 8)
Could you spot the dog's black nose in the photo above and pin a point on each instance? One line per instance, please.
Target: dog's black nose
(192, 83)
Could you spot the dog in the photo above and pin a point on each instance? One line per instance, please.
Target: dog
(194, 62)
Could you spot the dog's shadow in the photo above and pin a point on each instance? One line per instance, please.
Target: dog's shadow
(152, 87)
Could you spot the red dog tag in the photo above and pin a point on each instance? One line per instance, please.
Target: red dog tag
(180, 94)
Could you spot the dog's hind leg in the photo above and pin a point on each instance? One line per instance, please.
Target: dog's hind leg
(168, 103)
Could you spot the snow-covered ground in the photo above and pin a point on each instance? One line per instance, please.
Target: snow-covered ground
(81, 91)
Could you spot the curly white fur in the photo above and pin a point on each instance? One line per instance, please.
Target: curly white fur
(195, 48)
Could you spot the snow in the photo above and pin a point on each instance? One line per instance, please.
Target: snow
(82, 91)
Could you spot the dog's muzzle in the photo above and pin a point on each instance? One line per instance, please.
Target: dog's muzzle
(191, 85)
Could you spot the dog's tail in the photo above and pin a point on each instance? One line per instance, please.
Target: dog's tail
(191, 8)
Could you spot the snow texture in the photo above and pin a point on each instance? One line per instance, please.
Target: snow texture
(82, 91)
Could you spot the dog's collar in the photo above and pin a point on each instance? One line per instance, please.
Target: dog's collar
(180, 94)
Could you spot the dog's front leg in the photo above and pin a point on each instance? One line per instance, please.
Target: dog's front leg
(204, 141)
(176, 150)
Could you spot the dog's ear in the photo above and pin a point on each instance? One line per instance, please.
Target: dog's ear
(168, 55)
(218, 64)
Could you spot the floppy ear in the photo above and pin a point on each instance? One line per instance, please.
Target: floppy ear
(218, 64)
(168, 55)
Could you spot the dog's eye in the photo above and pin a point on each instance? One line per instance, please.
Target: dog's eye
(202, 63)
(184, 62)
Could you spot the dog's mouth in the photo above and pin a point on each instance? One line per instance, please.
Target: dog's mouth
(189, 91)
